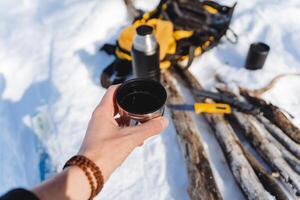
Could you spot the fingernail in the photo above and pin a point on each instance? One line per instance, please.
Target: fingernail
(164, 122)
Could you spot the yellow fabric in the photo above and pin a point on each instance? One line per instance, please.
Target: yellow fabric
(163, 31)
(146, 16)
(180, 34)
(210, 9)
(165, 35)
(123, 55)
(198, 51)
(165, 64)
(164, 6)
(171, 47)
(206, 44)
(126, 37)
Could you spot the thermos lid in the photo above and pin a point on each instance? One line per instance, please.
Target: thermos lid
(257, 56)
(144, 40)
(144, 30)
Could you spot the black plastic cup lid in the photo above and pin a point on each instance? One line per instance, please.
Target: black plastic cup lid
(257, 56)
(141, 96)
(144, 30)
(260, 47)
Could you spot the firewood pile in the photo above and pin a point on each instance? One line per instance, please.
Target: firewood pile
(270, 132)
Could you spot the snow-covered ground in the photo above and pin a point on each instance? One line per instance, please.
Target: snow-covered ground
(49, 69)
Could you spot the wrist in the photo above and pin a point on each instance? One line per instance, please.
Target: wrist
(78, 182)
(100, 161)
(69, 184)
(91, 170)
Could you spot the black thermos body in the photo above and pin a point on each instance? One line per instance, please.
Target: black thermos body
(145, 54)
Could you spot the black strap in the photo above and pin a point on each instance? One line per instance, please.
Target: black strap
(115, 73)
(17, 194)
(233, 38)
(109, 49)
(191, 57)
(105, 78)
(183, 19)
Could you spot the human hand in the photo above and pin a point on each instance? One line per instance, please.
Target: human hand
(108, 144)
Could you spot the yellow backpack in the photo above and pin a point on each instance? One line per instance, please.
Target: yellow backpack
(183, 29)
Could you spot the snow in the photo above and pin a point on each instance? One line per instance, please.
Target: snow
(49, 69)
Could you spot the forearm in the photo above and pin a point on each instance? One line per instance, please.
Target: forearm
(69, 184)
(107, 145)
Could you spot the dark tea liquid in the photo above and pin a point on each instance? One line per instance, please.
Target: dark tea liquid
(140, 103)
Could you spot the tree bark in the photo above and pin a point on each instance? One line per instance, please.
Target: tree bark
(268, 181)
(239, 165)
(275, 115)
(291, 159)
(272, 155)
(275, 136)
(202, 183)
(281, 136)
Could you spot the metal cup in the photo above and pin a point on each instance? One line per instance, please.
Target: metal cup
(140, 100)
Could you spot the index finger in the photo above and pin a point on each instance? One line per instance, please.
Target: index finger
(108, 104)
(148, 129)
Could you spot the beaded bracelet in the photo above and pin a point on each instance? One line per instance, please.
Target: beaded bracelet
(87, 165)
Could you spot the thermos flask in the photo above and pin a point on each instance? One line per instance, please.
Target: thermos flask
(145, 54)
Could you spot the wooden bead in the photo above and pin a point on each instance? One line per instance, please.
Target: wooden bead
(87, 165)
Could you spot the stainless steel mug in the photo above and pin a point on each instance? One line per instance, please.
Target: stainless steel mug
(140, 100)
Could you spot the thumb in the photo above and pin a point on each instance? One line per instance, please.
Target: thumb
(148, 129)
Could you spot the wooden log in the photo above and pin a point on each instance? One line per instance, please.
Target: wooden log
(268, 181)
(281, 136)
(288, 156)
(240, 167)
(275, 115)
(275, 135)
(202, 184)
(271, 154)
(291, 159)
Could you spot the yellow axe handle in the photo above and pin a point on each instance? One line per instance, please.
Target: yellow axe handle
(212, 108)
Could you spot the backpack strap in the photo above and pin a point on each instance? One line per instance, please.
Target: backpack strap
(109, 49)
(232, 37)
(115, 73)
(191, 57)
